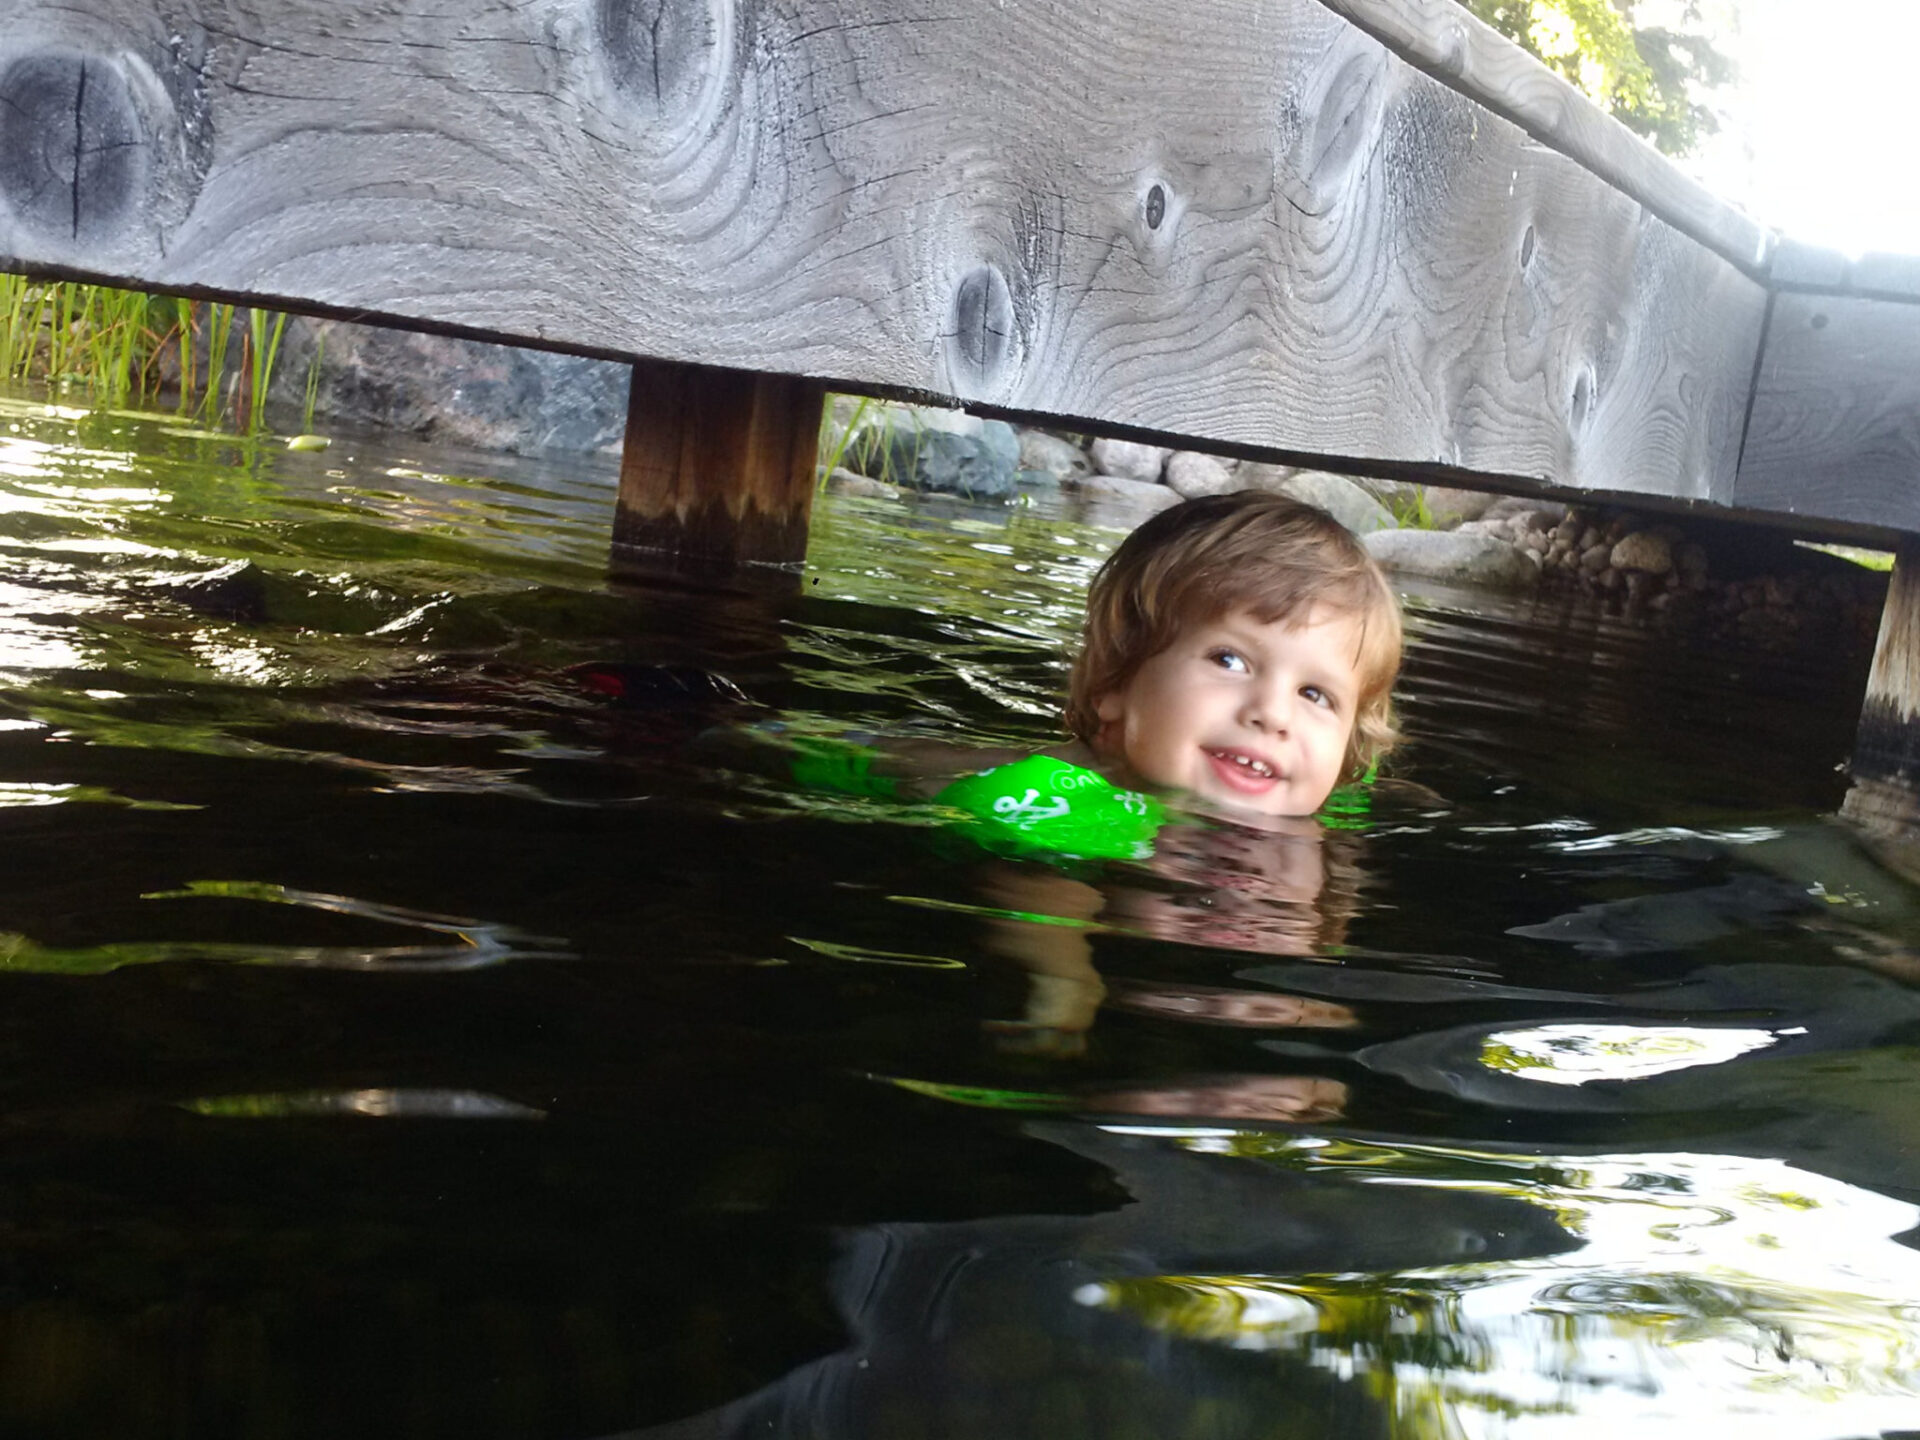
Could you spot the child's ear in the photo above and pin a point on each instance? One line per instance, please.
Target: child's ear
(1110, 707)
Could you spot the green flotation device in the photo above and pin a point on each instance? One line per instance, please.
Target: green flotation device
(1035, 806)
(1055, 806)
(1039, 805)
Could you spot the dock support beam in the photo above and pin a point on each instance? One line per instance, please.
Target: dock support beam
(717, 470)
(1886, 753)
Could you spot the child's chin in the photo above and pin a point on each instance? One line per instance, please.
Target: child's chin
(1273, 811)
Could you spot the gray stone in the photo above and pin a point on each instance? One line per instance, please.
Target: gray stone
(1340, 498)
(1643, 550)
(493, 397)
(1538, 514)
(947, 452)
(1129, 460)
(1458, 559)
(847, 482)
(1191, 474)
(1118, 502)
(1050, 458)
(1448, 508)
(1395, 495)
(1259, 475)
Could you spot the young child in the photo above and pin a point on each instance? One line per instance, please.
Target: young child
(1238, 664)
(1238, 659)
(1240, 649)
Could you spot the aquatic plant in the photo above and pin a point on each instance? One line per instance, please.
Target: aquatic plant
(1410, 509)
(114, 344)
(313, 383)
(867, 444)
(264, 332)
(219, 332)
(835, 442)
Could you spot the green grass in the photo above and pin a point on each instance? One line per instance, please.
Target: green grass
(111, 345)
(1871, 559)
(867, 443)
(1410, 510)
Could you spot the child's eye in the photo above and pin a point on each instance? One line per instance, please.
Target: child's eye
(1229, 660)
(1315, 695)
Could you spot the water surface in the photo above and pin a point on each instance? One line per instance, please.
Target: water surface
(405, 1036)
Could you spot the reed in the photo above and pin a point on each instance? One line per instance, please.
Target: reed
(112, 344)
(869, 442)
(264, 330)
(835, 443)
(313, 383)
(219, 332)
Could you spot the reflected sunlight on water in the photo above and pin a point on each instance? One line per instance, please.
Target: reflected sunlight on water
(1703, 1285)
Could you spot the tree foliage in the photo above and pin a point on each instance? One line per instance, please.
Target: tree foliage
(1651, 78)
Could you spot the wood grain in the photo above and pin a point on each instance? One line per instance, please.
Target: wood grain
(1888, 746)
(1835, 428)
(1447, 41)
(718, 466)
(1245, 225)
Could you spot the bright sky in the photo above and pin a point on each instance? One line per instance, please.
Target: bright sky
(1824, 121)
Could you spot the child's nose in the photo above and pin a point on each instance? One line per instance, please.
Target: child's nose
(1267, 707)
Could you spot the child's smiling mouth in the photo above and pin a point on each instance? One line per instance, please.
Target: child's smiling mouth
(1243, 771)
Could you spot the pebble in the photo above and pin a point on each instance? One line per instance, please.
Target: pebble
(1642, 550)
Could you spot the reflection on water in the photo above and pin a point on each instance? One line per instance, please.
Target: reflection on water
(1566, 1079)
(1772, 1294)
(409, 1104)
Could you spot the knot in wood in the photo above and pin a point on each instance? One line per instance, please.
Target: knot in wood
(1584, 396)
(982, 327)
(661, 50)
(1156, 207)
(73, 151)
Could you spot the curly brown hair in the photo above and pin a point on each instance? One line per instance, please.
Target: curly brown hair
(1272, 556)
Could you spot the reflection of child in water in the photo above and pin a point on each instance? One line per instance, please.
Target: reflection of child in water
(1239, 658)
(1237, 665)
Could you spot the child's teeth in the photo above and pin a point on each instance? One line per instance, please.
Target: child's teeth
(1247, 762)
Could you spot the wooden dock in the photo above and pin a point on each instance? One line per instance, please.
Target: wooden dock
(1368, 235)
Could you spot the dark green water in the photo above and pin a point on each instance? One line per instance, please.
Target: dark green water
(399, 1038)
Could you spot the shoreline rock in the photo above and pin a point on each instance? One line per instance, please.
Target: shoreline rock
(1455, 557)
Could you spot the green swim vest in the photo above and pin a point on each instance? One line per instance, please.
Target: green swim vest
(1039, 805)
(1044, 804)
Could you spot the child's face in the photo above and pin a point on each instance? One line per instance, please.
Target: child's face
(1248, 714)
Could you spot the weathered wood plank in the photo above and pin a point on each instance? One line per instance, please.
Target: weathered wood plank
(718, 466)
(1808, 267)
(1447, 41)
(1798, 265)
(1241, 223)
(1835, 428)
(1885, 795)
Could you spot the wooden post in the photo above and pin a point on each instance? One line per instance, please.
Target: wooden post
(1886, 755)
(718, 468)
